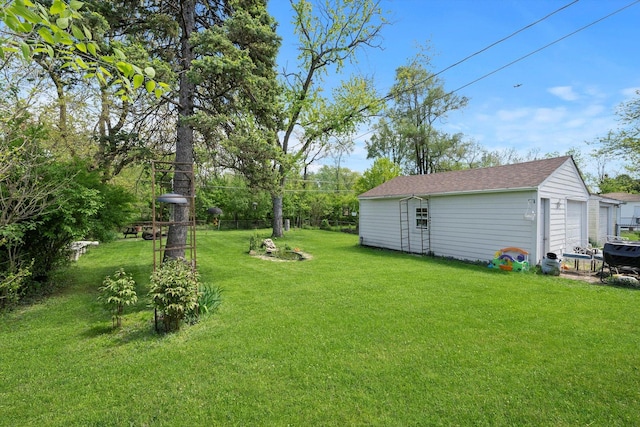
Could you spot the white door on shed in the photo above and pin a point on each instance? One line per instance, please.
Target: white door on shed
(604, 225)
(575, 225)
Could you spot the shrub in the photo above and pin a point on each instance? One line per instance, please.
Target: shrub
(10, 285)
(174, 292)
(324, 225)
(254, 242)
(116, 293)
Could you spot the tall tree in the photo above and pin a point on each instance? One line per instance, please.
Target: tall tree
(330, 35)
(380, 172)
(407, 134)
(625, 141)
(177, 234)
(386, 142)
(304, 122)
(420, 101)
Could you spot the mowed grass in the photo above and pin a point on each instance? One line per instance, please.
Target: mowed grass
(353, 336)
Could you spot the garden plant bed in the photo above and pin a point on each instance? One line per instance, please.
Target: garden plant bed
(283, 256)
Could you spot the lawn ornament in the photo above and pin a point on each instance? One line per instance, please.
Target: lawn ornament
(511, 259)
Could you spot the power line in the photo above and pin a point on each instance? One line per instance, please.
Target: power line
(544, 47)
(389, 96)
(506, 38)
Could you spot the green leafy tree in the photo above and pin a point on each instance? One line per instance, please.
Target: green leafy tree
(333, 179)
(380, 172)
(330, 35)
(625, 141)
(407, 134)
(56, 30)
(622, 183)
(30, 188)
(174, 292)
(420, 101)
(386, 142)
(117, 292)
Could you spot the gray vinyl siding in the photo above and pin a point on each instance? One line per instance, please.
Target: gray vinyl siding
(473, 227)
(562, 187)
(380, 223)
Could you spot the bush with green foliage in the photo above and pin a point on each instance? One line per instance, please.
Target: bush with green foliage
(85, 209)
(116, 293)
(254, 242)
(10, 286)
(174, 292)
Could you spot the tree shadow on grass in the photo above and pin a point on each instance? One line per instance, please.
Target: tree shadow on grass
(137, 319)
(136, 332)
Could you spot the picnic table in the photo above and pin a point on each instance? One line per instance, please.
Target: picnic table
(133, 230)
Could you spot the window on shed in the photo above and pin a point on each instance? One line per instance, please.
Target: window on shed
(422, 217)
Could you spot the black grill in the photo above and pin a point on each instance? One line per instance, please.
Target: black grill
(621, 255)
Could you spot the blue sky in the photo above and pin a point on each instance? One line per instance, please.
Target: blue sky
(566, 94)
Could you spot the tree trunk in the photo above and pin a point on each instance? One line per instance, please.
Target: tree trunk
(62, 111)
(177, 234)
(278, 228)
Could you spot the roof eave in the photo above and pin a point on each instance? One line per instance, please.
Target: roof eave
(452, 193)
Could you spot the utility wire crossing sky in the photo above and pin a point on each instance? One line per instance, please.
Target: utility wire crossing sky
(542, 76)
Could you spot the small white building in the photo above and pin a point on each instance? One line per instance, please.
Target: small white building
(538, 206)
(603, 219)
(628, 215)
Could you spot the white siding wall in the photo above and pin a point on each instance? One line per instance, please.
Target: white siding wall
(601, 220)
(629, 213)
(380, 223)
(471, 227)
(594, 209)
(605, 224)
(474, 227)
(563, 186)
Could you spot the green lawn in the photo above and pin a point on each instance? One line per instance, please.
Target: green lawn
(354, 336)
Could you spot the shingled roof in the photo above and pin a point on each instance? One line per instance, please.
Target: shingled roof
(625, 197)
(526, 175)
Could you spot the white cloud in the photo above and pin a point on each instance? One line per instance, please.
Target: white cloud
(549, 115)
(512, 115)
(576, 123)
(594, 110)
(593, 91)
(630, 92)
(565, 93)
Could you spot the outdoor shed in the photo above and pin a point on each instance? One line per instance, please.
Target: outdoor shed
(538, 206)
(628, 216)
(603, 219)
